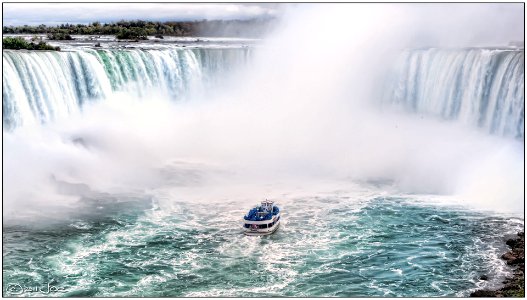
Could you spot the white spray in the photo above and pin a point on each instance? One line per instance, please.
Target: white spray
(304, 111)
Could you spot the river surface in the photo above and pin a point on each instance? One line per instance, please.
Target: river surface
(337, 243)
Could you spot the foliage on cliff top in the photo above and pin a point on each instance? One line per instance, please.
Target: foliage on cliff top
(17, 43)
(247, 28)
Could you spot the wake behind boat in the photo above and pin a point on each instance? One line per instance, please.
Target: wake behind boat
(263, 219)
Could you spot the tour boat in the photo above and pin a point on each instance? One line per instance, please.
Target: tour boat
(263, 219)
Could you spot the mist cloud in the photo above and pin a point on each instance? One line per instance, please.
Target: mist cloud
(303, 110)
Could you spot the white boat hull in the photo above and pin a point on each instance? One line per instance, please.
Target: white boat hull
(262, 231)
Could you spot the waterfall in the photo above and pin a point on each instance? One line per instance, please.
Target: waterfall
(479, 87)
(39, 86)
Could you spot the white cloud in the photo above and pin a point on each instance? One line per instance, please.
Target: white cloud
(58, 13)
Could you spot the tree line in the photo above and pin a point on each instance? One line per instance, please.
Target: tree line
(17, 43)
(139, 29)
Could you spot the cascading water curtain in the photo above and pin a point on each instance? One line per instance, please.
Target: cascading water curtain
(480, 87)
(39, 86)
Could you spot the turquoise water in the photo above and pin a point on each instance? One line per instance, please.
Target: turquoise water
(327, 245)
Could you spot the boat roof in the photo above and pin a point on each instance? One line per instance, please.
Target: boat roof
(263, 212)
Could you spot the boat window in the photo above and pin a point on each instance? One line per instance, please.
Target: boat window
(246, 225)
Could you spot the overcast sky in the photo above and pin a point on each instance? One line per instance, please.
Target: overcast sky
(59, 13)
